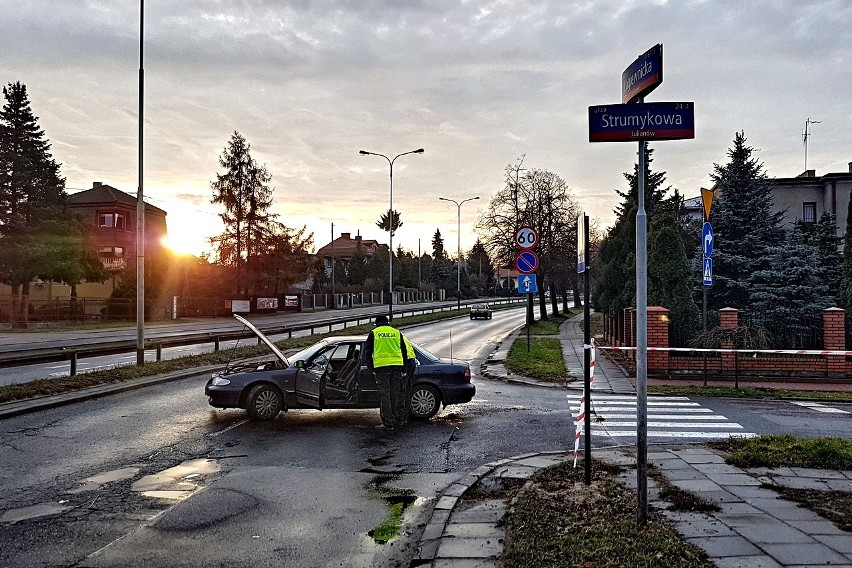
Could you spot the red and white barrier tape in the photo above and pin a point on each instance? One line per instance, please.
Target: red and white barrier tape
(584, 406)
(696, 350)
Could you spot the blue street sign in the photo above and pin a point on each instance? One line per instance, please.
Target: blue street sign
(708, 271)
(643, 75)
(527, 284)
(707, 239)
(526, 262)
(645, 121)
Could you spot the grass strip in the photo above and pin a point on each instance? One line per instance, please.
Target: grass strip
(751, 392)
(543, 360)
(549, 326)
(785, 450)
(680, 500)
(559, 522)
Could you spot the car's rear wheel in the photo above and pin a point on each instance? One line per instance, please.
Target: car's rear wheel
(425, 402)
(264, 402)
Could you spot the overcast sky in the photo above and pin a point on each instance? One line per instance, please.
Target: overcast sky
(476, 83)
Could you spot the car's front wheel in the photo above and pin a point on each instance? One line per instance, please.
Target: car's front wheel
(425, 402)
(264, 402)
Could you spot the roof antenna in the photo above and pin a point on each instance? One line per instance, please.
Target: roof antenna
(805, 135)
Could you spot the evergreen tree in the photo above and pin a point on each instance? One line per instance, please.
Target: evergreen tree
(669, 280)
(390, 221)
(244, 192)
(615, 276)
(439, 269)
(32, 193)
(844, 299)
(790, 294)
(746, 231)
(823, 236)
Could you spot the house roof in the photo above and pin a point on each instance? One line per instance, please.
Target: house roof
(104, 194)
(345, 246)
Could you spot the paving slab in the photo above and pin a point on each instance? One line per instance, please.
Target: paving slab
(473, 530)
(772, 531)
(470, 547)
(759, 561)
(804, 554)
(722, 546)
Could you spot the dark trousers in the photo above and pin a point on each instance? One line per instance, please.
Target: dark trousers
(402, 409)
(388, 384)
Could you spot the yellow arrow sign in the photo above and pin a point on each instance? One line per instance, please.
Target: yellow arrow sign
(707, 198)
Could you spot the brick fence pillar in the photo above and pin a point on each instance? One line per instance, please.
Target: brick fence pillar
(834, 339)
(658, 336)
(729, 318)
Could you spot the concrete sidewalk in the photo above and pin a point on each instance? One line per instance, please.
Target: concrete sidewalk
(754, 527)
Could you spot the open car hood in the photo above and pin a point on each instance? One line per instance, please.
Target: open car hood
(263, 338)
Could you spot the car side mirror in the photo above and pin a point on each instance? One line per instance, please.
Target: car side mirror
(300, 364)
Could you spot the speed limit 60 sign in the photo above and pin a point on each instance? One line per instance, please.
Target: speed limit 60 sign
(526, 238)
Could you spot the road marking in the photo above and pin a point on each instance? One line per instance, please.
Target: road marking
(820, 407)
(231, 427)
(614, 416)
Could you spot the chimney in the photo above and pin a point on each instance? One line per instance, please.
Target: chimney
(347, 236)
(96, 184)
(850, 167)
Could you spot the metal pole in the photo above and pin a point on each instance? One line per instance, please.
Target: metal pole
(333, 297)
(140, 207)
(419, 269)
(458, 255)
(641, 344)
(458, 245)
(587, 358)
(390, 250)
(390, 221)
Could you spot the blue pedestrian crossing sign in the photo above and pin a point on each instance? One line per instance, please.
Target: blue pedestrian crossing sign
(708, 271)
(527, 284)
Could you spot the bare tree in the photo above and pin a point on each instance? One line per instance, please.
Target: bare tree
(542, 200)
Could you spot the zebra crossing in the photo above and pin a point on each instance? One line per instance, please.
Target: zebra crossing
(673, 417)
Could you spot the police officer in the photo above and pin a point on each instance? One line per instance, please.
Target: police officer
(386, 355)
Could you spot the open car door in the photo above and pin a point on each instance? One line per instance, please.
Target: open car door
(310, 381)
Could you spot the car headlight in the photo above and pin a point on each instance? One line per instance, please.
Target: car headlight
(220, 382)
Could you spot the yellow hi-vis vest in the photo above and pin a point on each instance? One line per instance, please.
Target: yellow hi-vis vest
(386, 349)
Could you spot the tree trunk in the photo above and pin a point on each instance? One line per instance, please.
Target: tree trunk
(542, 304)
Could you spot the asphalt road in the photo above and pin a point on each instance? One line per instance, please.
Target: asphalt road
(157, 478)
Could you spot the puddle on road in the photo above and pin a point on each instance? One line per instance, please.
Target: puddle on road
(176, 483)
(33, 512)
(93, 483)
(172, 484)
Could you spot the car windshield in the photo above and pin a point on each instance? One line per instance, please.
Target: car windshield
(308, 352)
(425, 354)
(479, 306)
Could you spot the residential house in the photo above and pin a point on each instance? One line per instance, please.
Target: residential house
(343, 248)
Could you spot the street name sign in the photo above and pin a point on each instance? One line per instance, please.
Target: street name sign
(528, 284)
(643, 75)
(641, 122)
(526, 262)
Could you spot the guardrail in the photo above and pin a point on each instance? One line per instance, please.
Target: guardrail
(23, 357)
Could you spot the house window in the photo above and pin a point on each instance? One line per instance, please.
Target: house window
(112, 221)
(112, 251)
(809, 212)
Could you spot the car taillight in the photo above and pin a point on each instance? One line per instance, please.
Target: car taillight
(467, 374)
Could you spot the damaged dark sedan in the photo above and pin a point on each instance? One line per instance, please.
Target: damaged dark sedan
(331, 375)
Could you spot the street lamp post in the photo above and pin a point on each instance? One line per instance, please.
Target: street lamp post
(390, 221)
(458, 245)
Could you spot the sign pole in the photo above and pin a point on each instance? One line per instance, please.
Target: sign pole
(642, 343)
(587, 356)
